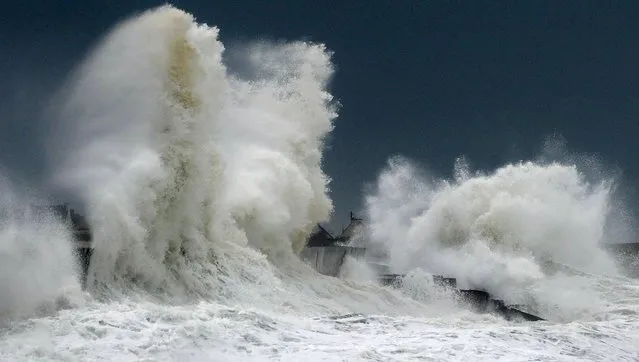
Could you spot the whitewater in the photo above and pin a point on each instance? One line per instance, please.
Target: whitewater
(199, 169)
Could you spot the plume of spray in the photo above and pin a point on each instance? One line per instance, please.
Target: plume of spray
(38, 271)
(499, 231)
(181, 166)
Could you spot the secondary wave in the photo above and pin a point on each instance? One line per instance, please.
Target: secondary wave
(507, 232)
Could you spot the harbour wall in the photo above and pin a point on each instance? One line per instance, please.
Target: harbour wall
(328, 260)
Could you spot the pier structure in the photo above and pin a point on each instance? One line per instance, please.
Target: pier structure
(326, 254)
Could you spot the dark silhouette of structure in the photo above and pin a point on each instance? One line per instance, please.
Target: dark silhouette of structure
(321, 237)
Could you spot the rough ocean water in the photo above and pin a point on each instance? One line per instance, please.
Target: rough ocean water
(201, 181)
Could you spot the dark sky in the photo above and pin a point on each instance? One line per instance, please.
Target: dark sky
(430, 80)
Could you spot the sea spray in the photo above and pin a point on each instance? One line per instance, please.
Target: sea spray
(498, 231)
(38, 271)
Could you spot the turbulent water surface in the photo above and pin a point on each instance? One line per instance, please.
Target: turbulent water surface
(201, 183)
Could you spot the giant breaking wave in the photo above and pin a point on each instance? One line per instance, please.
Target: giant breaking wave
(181, 165)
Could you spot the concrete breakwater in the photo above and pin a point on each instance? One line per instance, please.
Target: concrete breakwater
(329, 260)
(324, 252)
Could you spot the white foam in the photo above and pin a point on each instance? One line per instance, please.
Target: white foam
(497, 231)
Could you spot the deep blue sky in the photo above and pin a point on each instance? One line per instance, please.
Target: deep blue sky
(430, 80)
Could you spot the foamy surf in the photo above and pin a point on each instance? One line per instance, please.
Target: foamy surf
(201, 188)
(529, 233)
